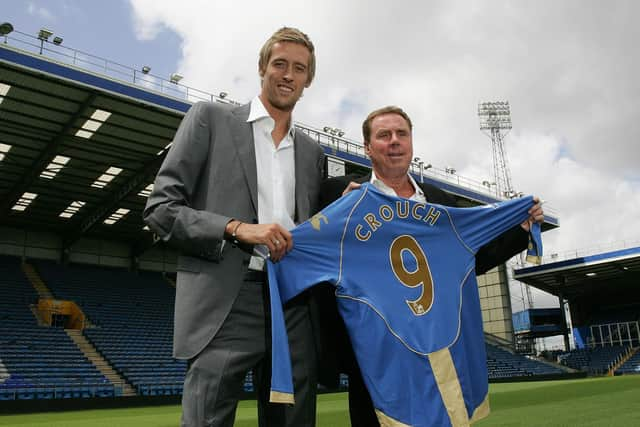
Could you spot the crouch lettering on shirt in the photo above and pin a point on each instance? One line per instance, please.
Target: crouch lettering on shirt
(371, 222)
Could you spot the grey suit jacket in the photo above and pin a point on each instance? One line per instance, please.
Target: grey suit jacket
(208, 178)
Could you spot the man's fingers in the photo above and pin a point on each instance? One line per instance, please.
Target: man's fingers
(276, 238)
(352, 186)
(279, 241)
(287, 240)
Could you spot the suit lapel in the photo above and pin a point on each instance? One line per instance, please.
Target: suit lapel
(242, 134)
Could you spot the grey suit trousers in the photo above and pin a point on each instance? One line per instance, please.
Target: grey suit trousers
(215, 378)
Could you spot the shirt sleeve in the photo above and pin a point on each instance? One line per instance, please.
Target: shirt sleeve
(480, 225)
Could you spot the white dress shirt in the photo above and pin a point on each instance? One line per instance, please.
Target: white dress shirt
(417, 196)
(275, 169)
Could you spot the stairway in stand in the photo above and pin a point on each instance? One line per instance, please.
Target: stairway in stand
(99, 362)
(36, 281)
(628, 355)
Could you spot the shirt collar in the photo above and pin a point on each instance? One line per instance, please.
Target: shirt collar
(258, 112)
(379, 184)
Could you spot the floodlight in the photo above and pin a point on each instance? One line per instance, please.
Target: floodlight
(57, 41)
(326, 128)
(428, 166)
(175, 78)
(44, 34)
(5, 28)
(146, 69)
(223, 95)
(340, 133)
(450, 170)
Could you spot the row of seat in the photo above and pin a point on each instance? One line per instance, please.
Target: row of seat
(38, 362)
(504, 364)
(59, 392)
(134, 315)
(596, 360)
(631, 366)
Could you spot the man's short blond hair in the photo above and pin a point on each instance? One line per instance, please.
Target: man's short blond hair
(292, 35)
(391, 109)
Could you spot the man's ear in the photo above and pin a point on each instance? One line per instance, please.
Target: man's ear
(367, 148)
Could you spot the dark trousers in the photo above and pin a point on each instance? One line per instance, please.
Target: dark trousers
(215, 377)
(361, 410)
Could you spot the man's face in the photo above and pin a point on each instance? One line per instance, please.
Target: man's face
(390, 147)
(285, 76)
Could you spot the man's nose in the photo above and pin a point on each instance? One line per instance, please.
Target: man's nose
(288, 75)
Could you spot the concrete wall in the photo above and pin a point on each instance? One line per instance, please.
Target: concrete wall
(495, 303)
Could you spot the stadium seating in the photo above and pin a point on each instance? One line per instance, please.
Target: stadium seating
(595, 361)
(504, 364)
(133, 318)
(631, 366)
(38, 362)
(132, 324)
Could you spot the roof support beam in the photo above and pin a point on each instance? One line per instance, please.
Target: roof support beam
(41, 161)
(113, 200)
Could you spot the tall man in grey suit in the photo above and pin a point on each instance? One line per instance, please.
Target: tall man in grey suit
(235, 180)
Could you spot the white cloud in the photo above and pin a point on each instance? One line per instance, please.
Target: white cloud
(40, 12)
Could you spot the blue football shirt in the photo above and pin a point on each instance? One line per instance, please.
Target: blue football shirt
(406, 289)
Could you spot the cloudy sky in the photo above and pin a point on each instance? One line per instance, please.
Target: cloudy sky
(568, 68)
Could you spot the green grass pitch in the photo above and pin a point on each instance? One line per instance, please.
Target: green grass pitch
(587, 402)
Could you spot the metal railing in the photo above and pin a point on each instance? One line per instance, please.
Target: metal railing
(107, 67)
(592, 250)
(610, 334)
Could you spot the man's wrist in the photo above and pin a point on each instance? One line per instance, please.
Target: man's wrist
(231, 230)
(234, 235)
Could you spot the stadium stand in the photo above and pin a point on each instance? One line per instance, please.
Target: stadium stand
(631, 366)
(132, 314)
(595, 361)
(130, 324)
(503, 364)
(133, 318)
(39, 362)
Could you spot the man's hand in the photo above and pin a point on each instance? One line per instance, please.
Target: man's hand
(352, 186)
(275, 237)
(536, 214)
